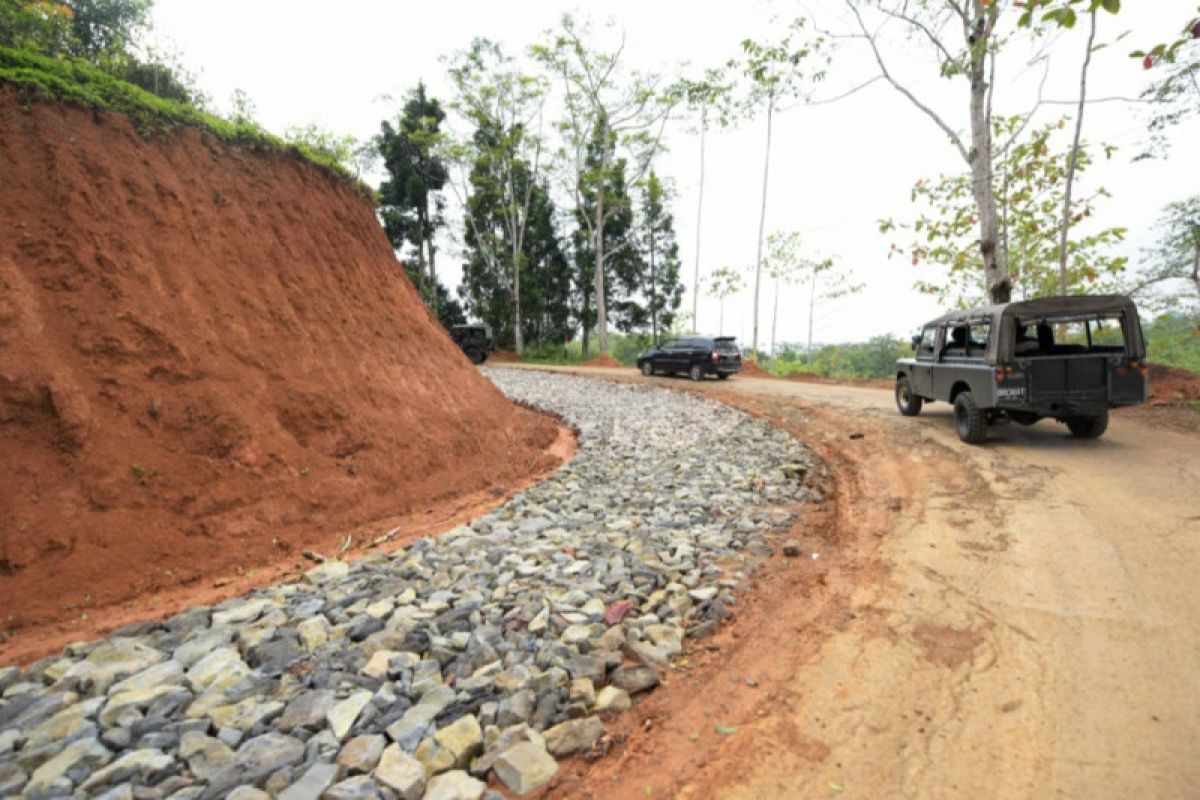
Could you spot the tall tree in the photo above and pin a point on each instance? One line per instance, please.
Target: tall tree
(1030, 186)
(410, 201)
(777, 72)
(971, 59)
(626, 111)
(1064, 14)
(505, 106)
(488, 287)
(784, 264)
(723, 283)
(650, 284)
(602, 189)
(104, 30)
(825, 282)
(708, 98)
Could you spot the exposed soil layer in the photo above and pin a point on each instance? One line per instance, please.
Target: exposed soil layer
(602, 361)
(504, 357)
(210, 361)
(1171, 385)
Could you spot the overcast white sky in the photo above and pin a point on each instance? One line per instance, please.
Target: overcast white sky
(836, 168)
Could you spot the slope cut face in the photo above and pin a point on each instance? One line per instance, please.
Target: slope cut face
(209, 359)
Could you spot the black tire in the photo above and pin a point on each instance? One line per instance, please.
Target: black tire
(1088, 427)
(723, 376)
(647, 368)
(908, 403)
(696, 372)
(969, 420)
(475, 355)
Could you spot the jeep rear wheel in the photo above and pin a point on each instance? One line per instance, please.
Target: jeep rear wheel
(696, 373)
(908, 403)
(969, 420)
(1088, 427)
(647, 368)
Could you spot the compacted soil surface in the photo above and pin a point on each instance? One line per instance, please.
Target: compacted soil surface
(1016, 619)
(210, 361)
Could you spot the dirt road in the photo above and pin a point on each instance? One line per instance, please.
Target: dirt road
(1014, 620)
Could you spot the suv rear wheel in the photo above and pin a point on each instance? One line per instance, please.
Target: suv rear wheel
(908, 403)
(647, 368)
(969, 420)
(1088, 427)
(696, 373)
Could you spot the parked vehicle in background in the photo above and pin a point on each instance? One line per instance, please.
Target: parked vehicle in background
(1067, 358)
(695, 355)
(475, 340)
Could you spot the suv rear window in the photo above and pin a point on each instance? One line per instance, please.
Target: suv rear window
(726, 344)
(1066, 336)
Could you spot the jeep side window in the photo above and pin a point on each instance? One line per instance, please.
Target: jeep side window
(925, 346)
(977, 339)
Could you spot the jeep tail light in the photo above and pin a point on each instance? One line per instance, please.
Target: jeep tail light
(1000, 374)
(716, 359)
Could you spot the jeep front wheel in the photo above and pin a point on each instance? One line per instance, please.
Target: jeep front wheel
(1088, 427)
(475, 355)
(696, 373)
(969, 420)
(908, 403)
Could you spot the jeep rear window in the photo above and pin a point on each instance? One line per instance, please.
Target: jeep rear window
(1064, 336)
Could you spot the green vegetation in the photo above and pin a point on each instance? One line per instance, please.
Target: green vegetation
(875, 358)
(1174, 340)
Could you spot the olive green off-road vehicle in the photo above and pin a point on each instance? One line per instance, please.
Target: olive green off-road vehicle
(475, 340)
(1067, 358)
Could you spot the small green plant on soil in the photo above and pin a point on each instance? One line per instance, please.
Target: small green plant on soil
(143, 474)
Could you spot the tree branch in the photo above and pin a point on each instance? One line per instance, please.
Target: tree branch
(929, 112)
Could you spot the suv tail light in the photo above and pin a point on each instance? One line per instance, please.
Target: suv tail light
(716, 359)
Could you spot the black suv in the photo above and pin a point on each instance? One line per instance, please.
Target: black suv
(1068, 358)
(475, 340)
(696, 355)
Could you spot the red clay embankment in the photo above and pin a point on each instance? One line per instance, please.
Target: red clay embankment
(209, 361)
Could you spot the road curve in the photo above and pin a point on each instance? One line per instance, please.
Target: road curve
(1012, 620)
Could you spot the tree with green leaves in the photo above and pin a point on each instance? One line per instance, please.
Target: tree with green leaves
(489, 287)
(1030, 185)
(603, 192)
(504, 105)
(777, 72)
(410, 200)
(784, 264)
(653, 290)
(709, 98)
(1173, 97)
(825, 282)
(1064, 14)
(965, 39)
(1171, 268)
(723, 283)
(625, 112)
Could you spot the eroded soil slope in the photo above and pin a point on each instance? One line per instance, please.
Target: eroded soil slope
(209, 358)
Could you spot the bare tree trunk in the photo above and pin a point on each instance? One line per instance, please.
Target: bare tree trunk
(762, 221)
(653, 287)
(721, 319)
(433, 281)
(999, 284)
(1072, 158)
(774, 317)
(699, 226)
(601, 306)
(812, 305)
(1196, 260)
(518, 328)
